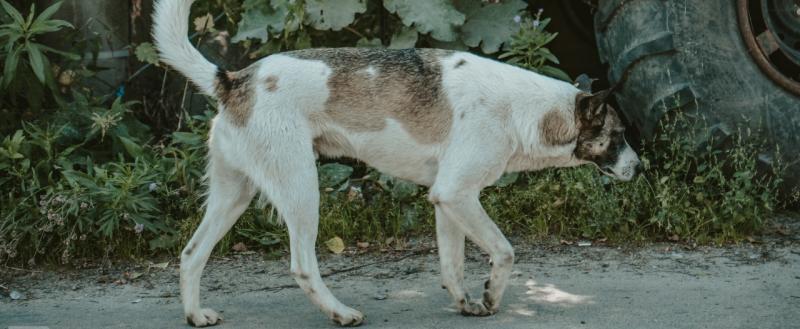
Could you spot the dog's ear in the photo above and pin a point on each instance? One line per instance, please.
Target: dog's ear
(591, 109)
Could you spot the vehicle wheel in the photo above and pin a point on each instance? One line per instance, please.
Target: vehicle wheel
(736, 62)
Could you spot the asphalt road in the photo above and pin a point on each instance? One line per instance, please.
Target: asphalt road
(552, 287)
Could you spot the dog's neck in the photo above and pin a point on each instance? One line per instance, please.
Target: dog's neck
(557, 157)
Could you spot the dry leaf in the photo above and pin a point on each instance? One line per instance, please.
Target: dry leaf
(160, 265)
(674, 237)
(335, 245)
(239, 247)
(565, 242)
(204, 23)
(363, 245)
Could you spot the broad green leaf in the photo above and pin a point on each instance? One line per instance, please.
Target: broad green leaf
(333, 15)
(147, 53)
(10, 69)
(491, 25)
(332, 174)
(259, 18)
(69, 56)
(555, 73)
(190, 139)
(13, 13)
(405, 38)
(133, 148)
(437, 17)
(49, 26)
(47, 13)
(38, 61)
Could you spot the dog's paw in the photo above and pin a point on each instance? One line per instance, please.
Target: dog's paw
(203, 318)
(347, 317)
(479, 308)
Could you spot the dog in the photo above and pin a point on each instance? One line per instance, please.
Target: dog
(448, 120)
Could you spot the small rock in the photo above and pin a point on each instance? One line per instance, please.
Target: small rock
(584, 243)
(16, 295)
(75, 287)
(379, 297)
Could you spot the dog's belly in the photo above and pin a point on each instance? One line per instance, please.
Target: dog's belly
(391, 151)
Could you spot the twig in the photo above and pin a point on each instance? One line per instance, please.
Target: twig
(354, 32)
(21, 269)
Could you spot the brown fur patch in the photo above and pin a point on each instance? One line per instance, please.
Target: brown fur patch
(333, 144)
(272, 83)
(368, 86)
(555, 130)
(235, 92)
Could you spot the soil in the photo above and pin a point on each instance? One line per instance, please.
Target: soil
(755, 285)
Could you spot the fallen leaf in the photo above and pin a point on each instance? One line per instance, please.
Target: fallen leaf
(674, 237)
(566, 242)
(135, 275)
(204, 23)
(363, 245)
(239, 247)
(335, 245)
(160, 265)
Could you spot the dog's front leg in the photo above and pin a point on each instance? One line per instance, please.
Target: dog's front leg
(450, 241)
(477, 225)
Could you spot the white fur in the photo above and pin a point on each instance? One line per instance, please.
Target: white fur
(495, 129)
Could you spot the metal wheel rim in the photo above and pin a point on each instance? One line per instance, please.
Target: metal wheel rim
(765, 47)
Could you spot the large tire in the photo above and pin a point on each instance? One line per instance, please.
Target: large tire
(690, 56)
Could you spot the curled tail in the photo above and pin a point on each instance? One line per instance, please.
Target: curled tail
(170, 33)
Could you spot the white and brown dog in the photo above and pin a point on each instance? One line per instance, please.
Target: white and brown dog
(449, 120)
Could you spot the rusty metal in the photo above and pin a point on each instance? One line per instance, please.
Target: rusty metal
(760, 54)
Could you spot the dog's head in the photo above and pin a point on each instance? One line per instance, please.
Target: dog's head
(601, 137)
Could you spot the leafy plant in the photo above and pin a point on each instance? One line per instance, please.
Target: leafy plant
(26, 67)
(528, 48)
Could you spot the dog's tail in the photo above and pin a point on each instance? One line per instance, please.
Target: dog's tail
(170, 33)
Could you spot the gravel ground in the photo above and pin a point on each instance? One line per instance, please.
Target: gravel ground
(553, 286)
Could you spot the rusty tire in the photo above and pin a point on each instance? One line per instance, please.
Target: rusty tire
(690, 56)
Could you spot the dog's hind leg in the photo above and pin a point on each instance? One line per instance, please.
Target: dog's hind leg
(229, 194)
(292, 187)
